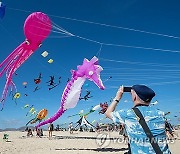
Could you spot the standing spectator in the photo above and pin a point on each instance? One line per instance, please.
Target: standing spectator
(50, 129)
(29, 133)
(169, 130)
(98, 128)
(71, 128)
(41, 132)
(38, 132)
(133, 119)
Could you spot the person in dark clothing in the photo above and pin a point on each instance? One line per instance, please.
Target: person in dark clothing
(50, 129)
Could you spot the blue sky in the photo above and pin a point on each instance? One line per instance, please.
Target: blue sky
(127, 66)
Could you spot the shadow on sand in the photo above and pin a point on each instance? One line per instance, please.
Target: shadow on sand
(89, 149)
(81, 137)
(94, 149)
(8, 141)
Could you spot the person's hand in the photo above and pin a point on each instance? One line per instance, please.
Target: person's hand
(119, 92)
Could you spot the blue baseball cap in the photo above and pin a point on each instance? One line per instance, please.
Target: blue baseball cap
(145, 93)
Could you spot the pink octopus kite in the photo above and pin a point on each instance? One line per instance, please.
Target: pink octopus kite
(36, 28)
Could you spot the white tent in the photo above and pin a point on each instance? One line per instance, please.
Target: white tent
(83, 122)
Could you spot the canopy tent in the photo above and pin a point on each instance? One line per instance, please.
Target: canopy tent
(83, 122)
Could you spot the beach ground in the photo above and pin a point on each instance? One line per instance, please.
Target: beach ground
(64, 142)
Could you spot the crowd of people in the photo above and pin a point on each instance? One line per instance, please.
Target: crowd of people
(39, 132)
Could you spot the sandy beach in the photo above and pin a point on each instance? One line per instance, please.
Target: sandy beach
(63, 142)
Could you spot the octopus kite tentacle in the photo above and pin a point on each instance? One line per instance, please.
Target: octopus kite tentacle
(10, 61)
(22, 56)
(9, 78)
(14, 53)
(36, 28)
(70, 97)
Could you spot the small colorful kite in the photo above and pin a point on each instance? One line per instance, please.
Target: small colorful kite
(25, 84)
(38, 80)
(36, 88)
(39, 117)
(32, 109)
(52, 84)
(86, 97)
(45, 54)
(17, 95)
(25, 106)
(50, 61)
(104, 107)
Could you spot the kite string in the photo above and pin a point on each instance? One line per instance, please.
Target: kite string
(152, 84)
(117, 45)
(141, 75)
(126, 46)
(47, 29)
(57, 29)
(164, 83)
(119, 27)
(49, 36)
(99, 51)
(141, 63)
(102, 24)
(53, 25)
(60, 28)
(132, 69)
(144, 78)
(120, 45)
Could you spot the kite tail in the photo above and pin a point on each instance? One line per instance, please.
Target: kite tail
(52, 119)
(34, 119)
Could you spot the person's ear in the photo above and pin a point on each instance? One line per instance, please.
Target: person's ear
(134, 98)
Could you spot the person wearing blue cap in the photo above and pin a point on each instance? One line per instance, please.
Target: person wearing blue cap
(145, 125)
